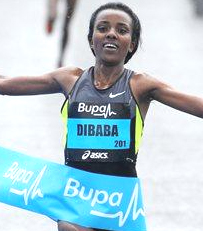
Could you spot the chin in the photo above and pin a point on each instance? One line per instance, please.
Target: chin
(112, 61)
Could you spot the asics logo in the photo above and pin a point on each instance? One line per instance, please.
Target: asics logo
(94, 155)
(115, 95)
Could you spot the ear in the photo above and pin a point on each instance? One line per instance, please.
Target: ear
(91, 44)
(132, 46)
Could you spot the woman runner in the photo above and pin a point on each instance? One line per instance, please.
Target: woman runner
(103, 92)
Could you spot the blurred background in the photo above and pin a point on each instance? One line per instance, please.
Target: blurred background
(171, 156)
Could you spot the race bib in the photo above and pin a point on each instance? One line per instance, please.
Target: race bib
(99, 132)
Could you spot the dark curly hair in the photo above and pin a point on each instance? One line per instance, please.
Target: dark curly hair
(136, 27)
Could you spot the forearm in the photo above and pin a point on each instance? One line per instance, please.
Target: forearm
(180, 101)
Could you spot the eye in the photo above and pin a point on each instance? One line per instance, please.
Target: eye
(102, 28)
(123, 30)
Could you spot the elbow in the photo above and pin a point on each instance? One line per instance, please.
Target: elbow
(200, 114)
(199, 111)
(3, 86)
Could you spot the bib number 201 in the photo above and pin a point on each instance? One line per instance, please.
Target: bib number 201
(120, 143)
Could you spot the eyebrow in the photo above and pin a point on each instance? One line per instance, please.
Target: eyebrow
(107, 22)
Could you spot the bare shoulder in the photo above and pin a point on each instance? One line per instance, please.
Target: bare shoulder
(143, 85)
(66, 77)
(69, 71)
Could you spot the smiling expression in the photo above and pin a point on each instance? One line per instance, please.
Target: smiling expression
(112, 36)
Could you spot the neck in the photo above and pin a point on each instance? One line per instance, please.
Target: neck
(105, 76)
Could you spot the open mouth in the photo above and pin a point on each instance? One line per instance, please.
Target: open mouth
(110, 46)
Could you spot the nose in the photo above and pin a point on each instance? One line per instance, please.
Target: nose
(111, 34)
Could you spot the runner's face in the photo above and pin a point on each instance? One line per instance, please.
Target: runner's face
(111, 39)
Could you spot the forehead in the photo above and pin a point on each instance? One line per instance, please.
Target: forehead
(117, 16)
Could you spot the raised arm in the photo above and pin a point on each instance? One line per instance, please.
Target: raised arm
(184, 102)
(149, 88)
(59, 81)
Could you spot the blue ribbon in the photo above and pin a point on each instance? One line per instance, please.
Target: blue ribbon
(64, 193)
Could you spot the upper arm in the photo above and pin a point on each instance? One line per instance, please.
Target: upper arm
(29, 85)
(54, 82)
(148, 88)
(153, 89)
(141, 87)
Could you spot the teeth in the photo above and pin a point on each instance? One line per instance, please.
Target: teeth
(110, 45)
